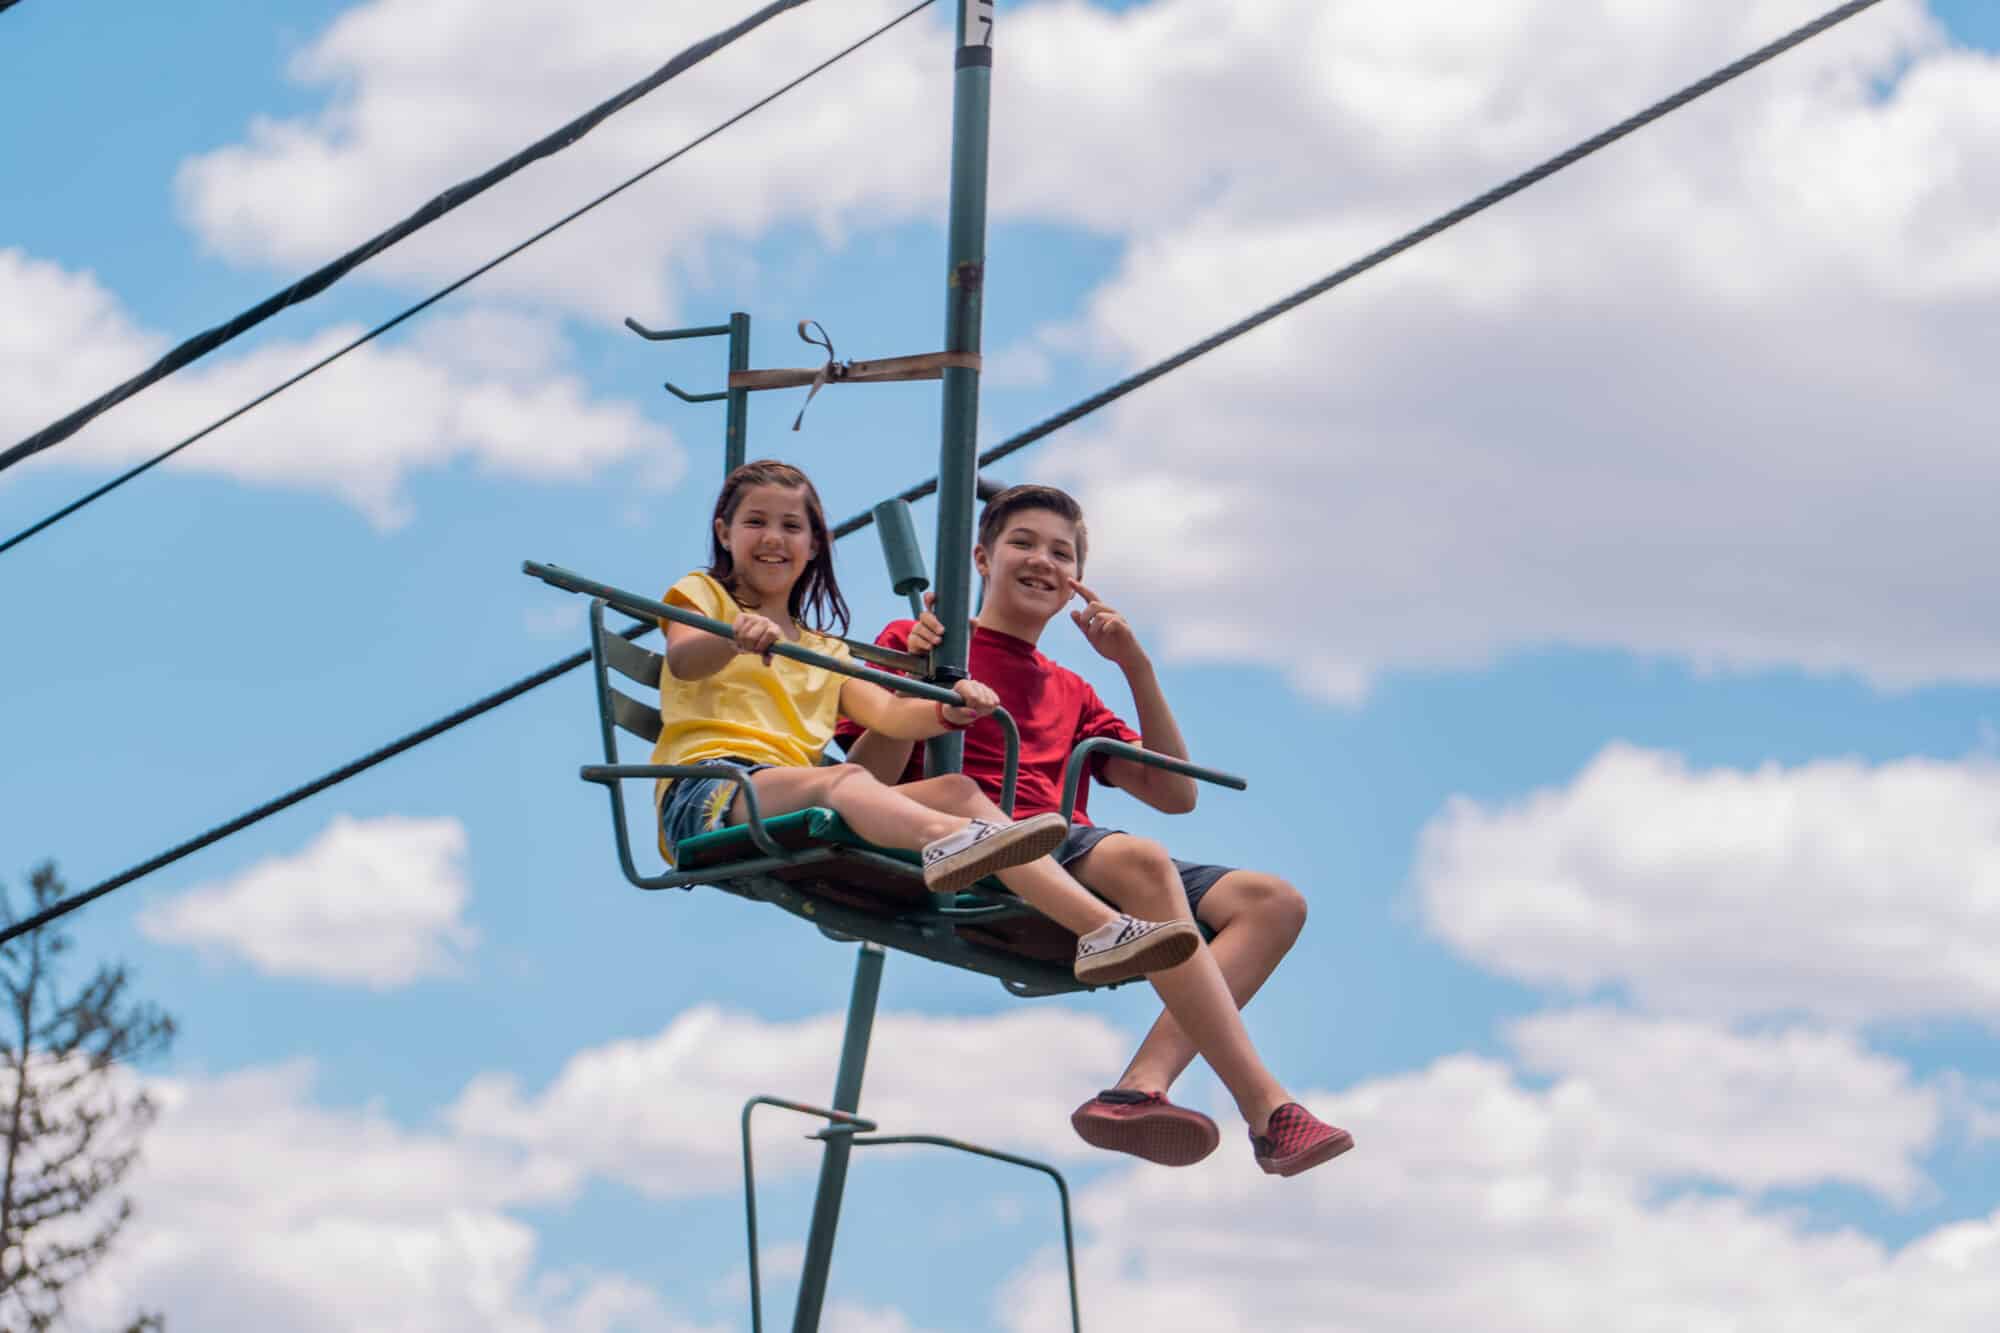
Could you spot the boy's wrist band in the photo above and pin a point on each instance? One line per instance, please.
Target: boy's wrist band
(955, 726)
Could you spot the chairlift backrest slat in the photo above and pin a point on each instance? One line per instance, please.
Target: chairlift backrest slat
(642, 720)
(631, 661)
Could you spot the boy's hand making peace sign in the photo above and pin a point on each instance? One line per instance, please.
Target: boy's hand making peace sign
(1108, 631)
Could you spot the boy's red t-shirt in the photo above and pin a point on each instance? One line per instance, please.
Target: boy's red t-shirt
(1055, 709)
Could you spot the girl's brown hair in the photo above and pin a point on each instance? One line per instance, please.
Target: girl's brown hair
(815, 601)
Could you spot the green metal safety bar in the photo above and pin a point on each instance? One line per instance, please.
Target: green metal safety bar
(1116, 749)
(859, 1132)
(865, 1139)
(840, 1119)
(646, 608)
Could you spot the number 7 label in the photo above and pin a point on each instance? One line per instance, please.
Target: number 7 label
(979, 22)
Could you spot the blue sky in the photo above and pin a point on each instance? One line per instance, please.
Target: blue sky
(1418, 564)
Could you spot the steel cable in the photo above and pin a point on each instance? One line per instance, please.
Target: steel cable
(1104, 398)
(324, 277)
(319, 784)
(1006, 447)
(59, 515)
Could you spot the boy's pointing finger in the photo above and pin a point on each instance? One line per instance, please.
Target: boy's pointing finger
(1078, 587)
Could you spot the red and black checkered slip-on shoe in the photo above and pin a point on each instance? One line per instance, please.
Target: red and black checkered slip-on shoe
(1146, 1125)
(1296, 1140)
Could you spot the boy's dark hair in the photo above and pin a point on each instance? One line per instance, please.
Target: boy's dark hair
(993, 518)
(817, 591)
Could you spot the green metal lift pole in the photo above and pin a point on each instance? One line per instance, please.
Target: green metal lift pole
(958, 466)
(833, 1158)
(737, 405)
(965, 274)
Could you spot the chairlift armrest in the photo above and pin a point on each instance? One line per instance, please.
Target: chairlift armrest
(610, 773)
(1116, 749)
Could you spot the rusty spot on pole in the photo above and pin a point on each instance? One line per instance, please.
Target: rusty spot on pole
(968, 276)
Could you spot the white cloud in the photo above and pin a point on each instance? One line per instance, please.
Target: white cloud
(1975, 1104)
(848, 1317)
(1660, 1098)
(1711, 395)
(622, 1110)
(1718, 394)
(414, 103)
(1472, 1197)
(1834, 888)
(259, 1209)
(563, 620)
(489, 386)
(258, 1206)
(1474, 1201)
(1714, 394)
(373, 902)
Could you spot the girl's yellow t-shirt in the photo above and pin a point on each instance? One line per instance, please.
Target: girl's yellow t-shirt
(781, 714)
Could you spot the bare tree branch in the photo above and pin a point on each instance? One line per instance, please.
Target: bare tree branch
(73, 1116)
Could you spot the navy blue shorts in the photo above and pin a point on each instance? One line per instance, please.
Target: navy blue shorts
(701, 805)
(1196, 879)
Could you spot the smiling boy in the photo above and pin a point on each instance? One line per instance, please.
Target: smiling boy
(1031, 550)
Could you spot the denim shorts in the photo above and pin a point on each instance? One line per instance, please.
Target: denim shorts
(694, 806)
(1196, 879)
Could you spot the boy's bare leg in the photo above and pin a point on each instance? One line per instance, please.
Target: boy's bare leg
(1142, 880)
(1256, 918)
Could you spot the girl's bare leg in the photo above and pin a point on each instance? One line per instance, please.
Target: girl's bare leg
(918, 813)
(883, 815)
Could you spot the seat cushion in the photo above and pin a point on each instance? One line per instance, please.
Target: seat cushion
(814, 826)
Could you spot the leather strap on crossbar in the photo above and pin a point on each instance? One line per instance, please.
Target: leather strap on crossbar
(882, 370)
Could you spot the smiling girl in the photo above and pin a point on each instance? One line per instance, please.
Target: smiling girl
(732, 704)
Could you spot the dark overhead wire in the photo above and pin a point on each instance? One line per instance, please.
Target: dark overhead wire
(59, 515)
(1444, 222)
(319, 784)
(1005, 447)
(324, 277)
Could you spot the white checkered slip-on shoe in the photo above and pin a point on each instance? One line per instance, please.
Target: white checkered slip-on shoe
(980, 848)
(1129, 947)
